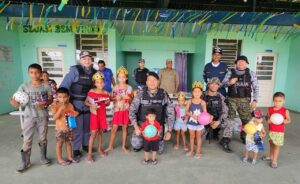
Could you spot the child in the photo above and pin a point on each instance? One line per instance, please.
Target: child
(180, 123)
(60, 109)
(251, 145)
(276, 132)
(35, 115)
(193, 108)
(50, 82)
(122, 96)
(97, 99)
(151, 143)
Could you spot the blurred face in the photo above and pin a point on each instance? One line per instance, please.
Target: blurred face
(141, 64)
(62, 97)
(122, 78)
(34, 74)
(101, 66)
(278, 102)
(169, 64)
(99, 83)
(151, 117)
(86, 61)
(216, 57)
(259, 120)
(213, 87)
(181, 101)
(241, 65)
(197, 92)
(152, 83)
(45, 76)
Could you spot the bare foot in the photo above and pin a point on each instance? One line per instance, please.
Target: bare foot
(108, 149)
(125, 150)
(89, 159)
(176, 146)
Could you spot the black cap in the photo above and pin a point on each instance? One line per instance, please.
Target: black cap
(241, 58)
(153, 74)
(217, 50)
(84, 53)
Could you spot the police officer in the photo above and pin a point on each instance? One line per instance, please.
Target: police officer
(216, 106)
(151, 97)
(241, 83)
(140, 74)
(216, 68)
(79, 82)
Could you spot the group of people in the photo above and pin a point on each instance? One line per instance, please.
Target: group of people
(85, 92)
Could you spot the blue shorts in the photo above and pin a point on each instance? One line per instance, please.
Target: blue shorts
(195, 127)
(180, 125)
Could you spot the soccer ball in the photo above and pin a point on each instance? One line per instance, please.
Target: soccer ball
(21, 97)
(150, 131)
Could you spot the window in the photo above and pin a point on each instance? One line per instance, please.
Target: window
(97, 46)
(230, 48)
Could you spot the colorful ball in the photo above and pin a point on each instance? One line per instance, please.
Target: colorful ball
(150, 131)
(277, 119)
(250, 128)
(204, 118)
(21, 97)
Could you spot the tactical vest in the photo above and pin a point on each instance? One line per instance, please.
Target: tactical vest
(242, 88)
(83, 85)
(155, 102)
(214, 106)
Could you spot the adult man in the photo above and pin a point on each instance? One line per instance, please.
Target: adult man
(151, 97)
(79, 82)
(216, 68)
(108, 76)
(169, 79)
(241, 83)
(217, 108)
(140, 74)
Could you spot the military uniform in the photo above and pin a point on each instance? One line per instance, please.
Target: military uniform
(164, 110)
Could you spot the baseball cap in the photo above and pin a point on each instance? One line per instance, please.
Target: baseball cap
(85, 53)
(217, 50)
(241, 58)
(257, 114)
(153, 74)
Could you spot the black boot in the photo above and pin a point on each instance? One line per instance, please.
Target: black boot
(243, 137)
(77, 154)
(216, 133)
(85, 149)
(225, 144)
(25, 162)
(43, 151)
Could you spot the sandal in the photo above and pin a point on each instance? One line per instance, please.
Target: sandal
(90, 161)
(197, 156)
(274, 165)
(265, 158)
(176, 147)
(154, 162)
(74, 161)
(186, 149)
(64, 163)
(189, 153)
(102, 154)
(145, 162)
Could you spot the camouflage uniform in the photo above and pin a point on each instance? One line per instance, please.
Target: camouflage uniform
(135, 118)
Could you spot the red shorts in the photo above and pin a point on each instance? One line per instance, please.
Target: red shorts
(97, 122)
(121, 118)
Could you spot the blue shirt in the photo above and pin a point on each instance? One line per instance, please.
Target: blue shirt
(107, 79)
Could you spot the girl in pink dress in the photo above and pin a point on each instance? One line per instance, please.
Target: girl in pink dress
(97, 99)
(122, 96)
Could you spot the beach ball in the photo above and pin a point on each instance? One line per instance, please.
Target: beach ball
(204, 118)
(21, 97)
(150, 131)
(276, 118)
(250, 128)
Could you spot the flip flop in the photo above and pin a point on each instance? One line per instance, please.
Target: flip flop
(154, 162)
(145, 162)
(74, 161)
(265, 158)
(176, 147)
(197, 156)
(189, 153)
(64, 163)
(274, 165)
(90, 161)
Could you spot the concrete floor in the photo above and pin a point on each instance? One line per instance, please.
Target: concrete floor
(215, 166)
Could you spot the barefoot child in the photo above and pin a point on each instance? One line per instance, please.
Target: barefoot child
(97, 99)
(122, 96)
(276, 131)
(151, 138)
(60, 109)
(35, 115)
(193, 108)
(180, 122)
(258, 127)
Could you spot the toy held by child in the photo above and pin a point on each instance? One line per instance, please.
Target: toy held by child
(180, 123)
(255, 132)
